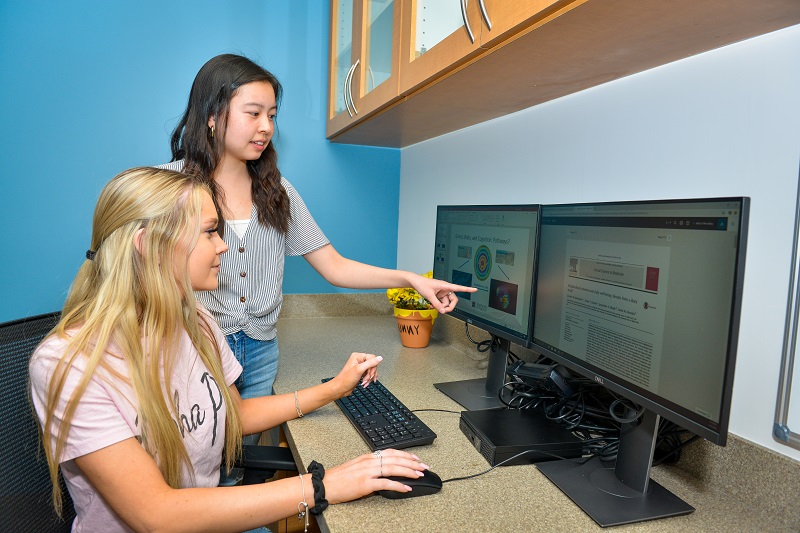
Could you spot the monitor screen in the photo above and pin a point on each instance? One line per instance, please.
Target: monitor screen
(491, 248)
(644, 298)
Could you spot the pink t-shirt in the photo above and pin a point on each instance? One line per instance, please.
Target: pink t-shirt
(107, 414)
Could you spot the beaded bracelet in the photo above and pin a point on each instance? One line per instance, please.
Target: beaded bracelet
(317, 473)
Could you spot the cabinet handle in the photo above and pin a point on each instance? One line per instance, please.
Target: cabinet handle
(485, 14)
(350, 86)
(346, 89)
(466, 20)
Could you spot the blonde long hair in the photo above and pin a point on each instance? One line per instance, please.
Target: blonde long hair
(141, 301)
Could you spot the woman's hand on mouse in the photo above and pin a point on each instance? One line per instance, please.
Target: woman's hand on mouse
(360, 368)
(367, 474)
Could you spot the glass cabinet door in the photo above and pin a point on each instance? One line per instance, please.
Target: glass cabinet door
(437, 35)
(434, 21)
(379, 18)
(365, 44)
(342, 54)
(374, 78)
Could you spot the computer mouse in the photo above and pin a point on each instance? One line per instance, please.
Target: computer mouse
(430, 483)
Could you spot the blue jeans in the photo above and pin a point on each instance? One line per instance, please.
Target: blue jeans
(259, 360)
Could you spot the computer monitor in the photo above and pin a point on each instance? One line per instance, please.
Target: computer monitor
(492, 248)
(644, 298)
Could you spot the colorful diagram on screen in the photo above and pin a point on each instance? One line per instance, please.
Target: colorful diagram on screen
(503, 296)
(483, 263)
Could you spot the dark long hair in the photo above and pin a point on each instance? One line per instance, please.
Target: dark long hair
(214, 86)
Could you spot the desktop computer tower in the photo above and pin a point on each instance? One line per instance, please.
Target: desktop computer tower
(499, 434)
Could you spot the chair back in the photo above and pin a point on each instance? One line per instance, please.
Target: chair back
(25, 490)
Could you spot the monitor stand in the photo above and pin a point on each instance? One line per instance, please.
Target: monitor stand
(482, 393)
(624, 494)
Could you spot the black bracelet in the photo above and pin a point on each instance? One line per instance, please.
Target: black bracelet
(317, 473)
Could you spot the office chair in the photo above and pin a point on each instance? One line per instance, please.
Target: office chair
(25, 489)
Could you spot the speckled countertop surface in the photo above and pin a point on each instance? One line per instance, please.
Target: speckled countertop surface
(514, 498)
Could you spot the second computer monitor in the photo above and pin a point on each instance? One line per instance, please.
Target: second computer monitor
(492, 248)
(645, 299)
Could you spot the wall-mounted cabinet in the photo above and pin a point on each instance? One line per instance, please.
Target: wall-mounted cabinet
(364, 60)
(516, 54)
(384, 49)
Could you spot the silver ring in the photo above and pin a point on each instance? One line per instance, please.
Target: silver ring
(376, 453)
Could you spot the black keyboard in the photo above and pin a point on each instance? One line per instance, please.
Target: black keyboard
(382, 420)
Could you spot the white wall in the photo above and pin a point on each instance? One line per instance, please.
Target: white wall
(726, 122)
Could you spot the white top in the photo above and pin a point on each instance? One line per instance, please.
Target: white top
(239, 226)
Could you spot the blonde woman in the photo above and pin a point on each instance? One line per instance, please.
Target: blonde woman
(134, 387)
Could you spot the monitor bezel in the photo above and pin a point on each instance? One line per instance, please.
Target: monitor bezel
(716, 432)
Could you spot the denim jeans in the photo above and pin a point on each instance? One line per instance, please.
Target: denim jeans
(259, 360)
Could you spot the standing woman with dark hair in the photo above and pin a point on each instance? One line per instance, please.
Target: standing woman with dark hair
(224, 139)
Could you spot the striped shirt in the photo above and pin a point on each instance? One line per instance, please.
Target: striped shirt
(250, 292)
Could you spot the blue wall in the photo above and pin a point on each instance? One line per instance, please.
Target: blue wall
(92, 88)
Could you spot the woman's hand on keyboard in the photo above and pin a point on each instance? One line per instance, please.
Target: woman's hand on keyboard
(368, 473)
(360, 368)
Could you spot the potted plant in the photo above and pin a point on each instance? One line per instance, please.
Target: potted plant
(414, 314)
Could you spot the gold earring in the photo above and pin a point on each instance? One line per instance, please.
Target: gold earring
(212, 132)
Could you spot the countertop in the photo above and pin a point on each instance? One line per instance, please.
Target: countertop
(509, 498)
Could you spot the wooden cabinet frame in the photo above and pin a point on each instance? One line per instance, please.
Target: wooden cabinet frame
(570, 46)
